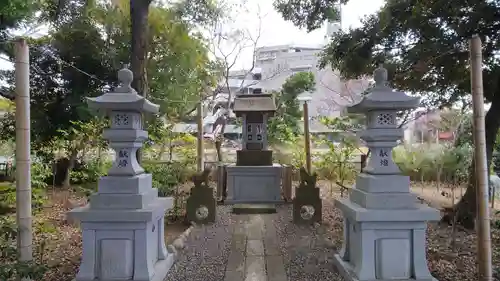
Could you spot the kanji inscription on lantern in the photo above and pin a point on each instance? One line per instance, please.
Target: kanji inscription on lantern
(383, 158)
(123, 156)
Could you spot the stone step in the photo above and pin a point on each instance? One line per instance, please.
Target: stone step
(254, 209)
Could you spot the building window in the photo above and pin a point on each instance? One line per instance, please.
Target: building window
(257, 91)
(249, 128)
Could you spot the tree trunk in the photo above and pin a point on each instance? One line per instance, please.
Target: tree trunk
(71, 165)
(139, 10)
(466, 208)
(218, 150)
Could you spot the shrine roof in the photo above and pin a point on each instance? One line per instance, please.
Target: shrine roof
(254, 103)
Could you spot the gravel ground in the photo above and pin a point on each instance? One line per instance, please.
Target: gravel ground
(207, 250)
(307, 250)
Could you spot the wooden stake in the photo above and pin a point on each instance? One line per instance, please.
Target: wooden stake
(307, 139)
(199, 122)
(483, 216)
(23, 159)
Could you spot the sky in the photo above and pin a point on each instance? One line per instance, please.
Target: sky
(276, 31)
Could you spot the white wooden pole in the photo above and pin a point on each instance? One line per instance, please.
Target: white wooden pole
(482, 171)
(23, 161)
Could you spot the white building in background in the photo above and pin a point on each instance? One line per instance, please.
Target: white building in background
(273, 65)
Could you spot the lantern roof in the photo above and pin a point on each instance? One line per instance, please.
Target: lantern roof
(383, 97)
(123, 98)
(246, 103)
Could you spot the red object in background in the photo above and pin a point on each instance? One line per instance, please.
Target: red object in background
(446, 136)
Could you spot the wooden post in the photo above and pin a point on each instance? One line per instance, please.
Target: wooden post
(23, 161)
(200, 157)
(363, 161)
(483, 217)
(286, 182)
(493, 192)
(307, 139)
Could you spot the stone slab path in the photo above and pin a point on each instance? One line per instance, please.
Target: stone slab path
(257, 247)
(254, 253)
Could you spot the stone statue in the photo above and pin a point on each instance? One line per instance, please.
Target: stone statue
(307, 205)
(201, 203)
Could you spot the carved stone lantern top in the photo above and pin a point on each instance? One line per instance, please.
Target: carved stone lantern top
(123, 98)
(384, 98)
(254, 103)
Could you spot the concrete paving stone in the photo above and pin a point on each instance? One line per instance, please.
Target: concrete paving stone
(255, 248)
(271, 247)
(234, 276)
(255, 268)
(240, 229)
(238, 243)
(255, 235)
(275, 268)
(255, 227)
(236, 262)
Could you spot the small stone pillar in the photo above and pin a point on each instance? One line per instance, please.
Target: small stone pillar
(123, 225)
(384, 225)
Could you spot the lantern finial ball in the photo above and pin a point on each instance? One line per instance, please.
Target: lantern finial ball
(380, 75)
(125, 76)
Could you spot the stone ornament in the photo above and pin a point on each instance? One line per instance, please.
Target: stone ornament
(307, 205)
(124, 223)
(384, 225)
(253, 179)
(201, 203)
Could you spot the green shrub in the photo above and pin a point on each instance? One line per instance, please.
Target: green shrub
(434, 162)
(10, 267)
(90, 171)
(336, 164)
(167, 175)
(8, 198)
(39, 174)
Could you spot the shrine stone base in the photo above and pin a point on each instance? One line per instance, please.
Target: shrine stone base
(124, 244)
(384, 244)
(253, 184)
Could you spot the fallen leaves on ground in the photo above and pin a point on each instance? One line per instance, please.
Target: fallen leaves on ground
(446, 262)
(62, 252)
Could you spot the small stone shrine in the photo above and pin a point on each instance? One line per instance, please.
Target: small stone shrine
(307, 205)
(123, 225)
(254, 178)
(384, 225)
(200, 207)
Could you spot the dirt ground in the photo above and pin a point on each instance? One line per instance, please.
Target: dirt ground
(62, 239)
(447, 261)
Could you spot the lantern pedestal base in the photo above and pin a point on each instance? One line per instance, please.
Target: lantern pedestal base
(382, 245)
(253, 184)
(124, 244)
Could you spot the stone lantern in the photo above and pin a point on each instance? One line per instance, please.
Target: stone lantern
(254, 178)
(384, 225)
(123, 224)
